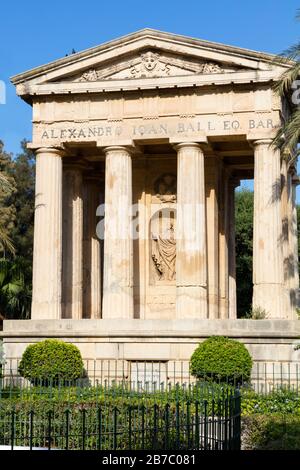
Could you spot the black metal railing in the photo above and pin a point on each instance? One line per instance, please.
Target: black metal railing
(212, 424)
(149, 376)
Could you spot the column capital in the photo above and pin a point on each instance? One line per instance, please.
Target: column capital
(183, 145)
(55, 151)
(258, 142)
(117, 149)
(198, 139)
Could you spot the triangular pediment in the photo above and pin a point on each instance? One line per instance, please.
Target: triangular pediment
(152, 63)
(146, 54)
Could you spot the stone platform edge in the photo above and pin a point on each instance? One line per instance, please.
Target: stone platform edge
(140, 328)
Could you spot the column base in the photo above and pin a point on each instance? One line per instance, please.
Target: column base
(191, 302)
(45, 311)
(291, 299)
(118, 304)
(271, 298)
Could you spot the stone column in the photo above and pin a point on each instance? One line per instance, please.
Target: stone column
(191, 264)
(92, 250)
(293, 278)
(47, 251)
(267, 238)
(72, 242)
(223, 245)
(118, 240)
(233, 183)
(285, 217)
(212, 166)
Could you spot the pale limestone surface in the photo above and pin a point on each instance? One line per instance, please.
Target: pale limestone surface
(159, 121)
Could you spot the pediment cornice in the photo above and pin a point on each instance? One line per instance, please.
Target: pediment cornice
(148, 58)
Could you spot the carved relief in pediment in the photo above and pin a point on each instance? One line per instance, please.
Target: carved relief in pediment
(150, 64)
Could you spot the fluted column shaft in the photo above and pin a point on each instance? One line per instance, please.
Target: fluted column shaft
(233, 183)
(118, 241)
(92, 251)
(293, 235)
(73, 243)
(267, 237)
(191, 256)
(224, 246)
(47, 251)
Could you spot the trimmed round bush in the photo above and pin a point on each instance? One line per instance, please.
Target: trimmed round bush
(51, 361)
(221, 359)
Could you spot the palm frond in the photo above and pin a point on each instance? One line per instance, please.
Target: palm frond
(284, 85)
(288, 135)
(5, 184)
(6, 242)
(292, 52)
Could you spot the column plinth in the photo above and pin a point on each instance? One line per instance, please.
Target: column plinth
(47, 251)
(118, 239)
(191, 256)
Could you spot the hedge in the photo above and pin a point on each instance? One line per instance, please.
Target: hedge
(51, 360)
(221, 359)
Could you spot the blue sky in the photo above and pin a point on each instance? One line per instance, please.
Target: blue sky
(36, 32)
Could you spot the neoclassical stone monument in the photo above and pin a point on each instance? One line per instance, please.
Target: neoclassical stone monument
(157, 130)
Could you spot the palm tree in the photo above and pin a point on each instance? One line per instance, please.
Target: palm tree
(15, 289)
(288, 135)
(5, 241)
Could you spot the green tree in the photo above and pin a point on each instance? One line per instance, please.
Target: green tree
(244, 248)
(288, 134)
(15, 292)
(23, 173)
(7, 209)
(17, 213)
(298, 224)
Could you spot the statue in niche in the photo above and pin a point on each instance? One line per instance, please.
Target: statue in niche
(165, 187)
(164, 254)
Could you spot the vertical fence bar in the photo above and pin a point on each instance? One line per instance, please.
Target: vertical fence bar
(115, 423)
(49, 428)
(188, 424)
(213, 439)
(83, 428)
(129, 427)
(177, 425)
(167, 425)
(197, 424)
(99, 416)
(143, 426)
(67, 412)
(12, 436)
(155, 425)
(205, 426)
(31, 413)
(225, 443)
(238, 431)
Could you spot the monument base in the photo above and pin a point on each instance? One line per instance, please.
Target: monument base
(135, 340)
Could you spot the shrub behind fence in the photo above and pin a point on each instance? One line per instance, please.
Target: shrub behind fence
(116, 425)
